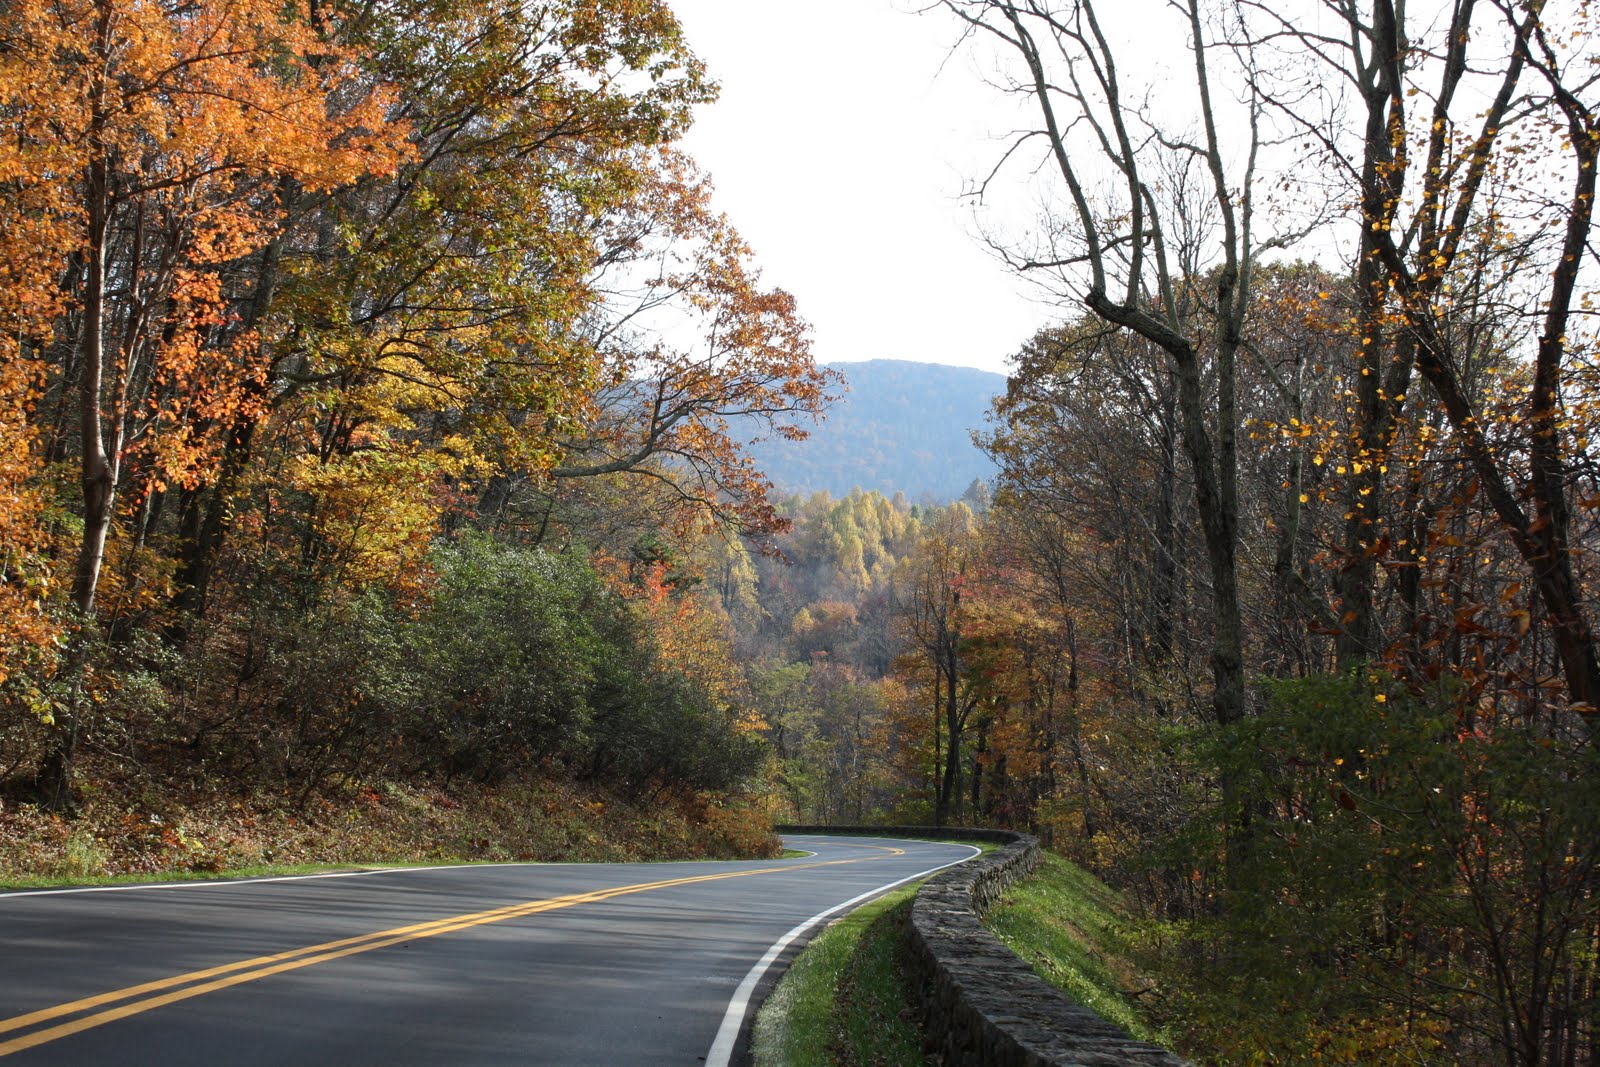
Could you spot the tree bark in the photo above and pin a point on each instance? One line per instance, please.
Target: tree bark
(99, 462)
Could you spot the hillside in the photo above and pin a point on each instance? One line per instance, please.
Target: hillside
(902, 426)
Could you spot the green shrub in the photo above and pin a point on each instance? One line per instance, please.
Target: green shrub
(1410, 877)
(524, 655)
(504, 658)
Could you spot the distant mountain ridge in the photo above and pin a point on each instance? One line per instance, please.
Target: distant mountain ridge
(902, 427)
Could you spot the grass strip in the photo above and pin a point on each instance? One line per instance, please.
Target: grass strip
(844, 1000)
(1077, 933)
(46, 881)
(43, 881)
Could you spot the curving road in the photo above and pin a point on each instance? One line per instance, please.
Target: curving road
(507, 963)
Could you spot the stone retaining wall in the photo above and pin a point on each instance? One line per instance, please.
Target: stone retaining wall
(981, 1004)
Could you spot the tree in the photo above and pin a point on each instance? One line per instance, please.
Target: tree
(1414, 520)
(682, 406)
(438, 315)
(1455, 217)
(30, 303)
(165, 127)
(1538, 469)
(28, 628)
(930, 614)
(1147, 269)
(1086, 438)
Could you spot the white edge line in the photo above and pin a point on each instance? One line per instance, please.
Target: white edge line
(223, 882)
(219, 883)
(733, 1019)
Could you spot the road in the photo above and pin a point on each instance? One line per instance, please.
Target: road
(608, 964)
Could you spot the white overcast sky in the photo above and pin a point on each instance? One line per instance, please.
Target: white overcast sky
(839, 149)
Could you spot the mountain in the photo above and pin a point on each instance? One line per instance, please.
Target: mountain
(902, 426)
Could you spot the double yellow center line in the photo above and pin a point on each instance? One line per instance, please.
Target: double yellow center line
(90, 1012)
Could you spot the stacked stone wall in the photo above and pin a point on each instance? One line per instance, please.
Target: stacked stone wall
(981, 1004)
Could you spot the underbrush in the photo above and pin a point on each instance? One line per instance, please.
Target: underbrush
(139, 832)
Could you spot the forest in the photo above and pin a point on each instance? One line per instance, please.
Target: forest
(348, 473)
(338, 448)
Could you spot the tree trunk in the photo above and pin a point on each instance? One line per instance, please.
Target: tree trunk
(206, 529)
(99, 463)
(940, 803)
(1165, 564)
(1381, 183)
(950, 788)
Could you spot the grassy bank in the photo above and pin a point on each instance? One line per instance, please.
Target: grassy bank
(129, 835)
(1079, 935)
(844, 1001)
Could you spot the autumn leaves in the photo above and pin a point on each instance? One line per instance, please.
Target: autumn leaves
(291, 290)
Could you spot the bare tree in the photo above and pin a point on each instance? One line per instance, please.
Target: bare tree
(1136, 263)
(1434, 155)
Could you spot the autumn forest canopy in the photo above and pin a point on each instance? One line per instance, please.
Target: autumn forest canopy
(347, 466)
(323, 328)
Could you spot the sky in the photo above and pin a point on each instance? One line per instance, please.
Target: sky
(839, 149)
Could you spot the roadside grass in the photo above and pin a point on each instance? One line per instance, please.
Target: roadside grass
(129, 835)
(81, 858)
(983, 847)
(41, 881)
(844, 1000)
(1079, 935)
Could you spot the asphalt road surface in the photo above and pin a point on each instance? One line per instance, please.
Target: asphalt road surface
(612, 964)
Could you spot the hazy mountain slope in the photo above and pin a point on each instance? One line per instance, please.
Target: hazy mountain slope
(902, 426)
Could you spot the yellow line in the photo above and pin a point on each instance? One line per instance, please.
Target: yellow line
(232, 974)
(860, 844)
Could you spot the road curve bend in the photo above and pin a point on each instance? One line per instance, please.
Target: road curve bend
(493, 963)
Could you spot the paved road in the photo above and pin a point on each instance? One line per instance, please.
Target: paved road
(610, 964)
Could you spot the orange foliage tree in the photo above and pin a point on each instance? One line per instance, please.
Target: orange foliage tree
(679, 406)
(293, 295)
(160, 135)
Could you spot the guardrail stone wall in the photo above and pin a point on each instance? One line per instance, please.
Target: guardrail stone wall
(981, 1004)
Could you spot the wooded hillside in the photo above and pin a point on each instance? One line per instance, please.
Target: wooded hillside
(1284, 614)
(344, 474)
(899, 427)
(331, 449)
